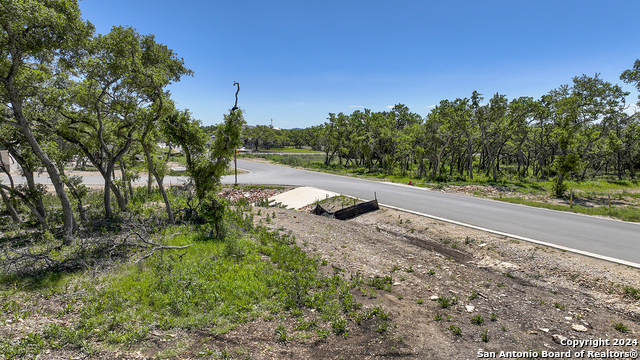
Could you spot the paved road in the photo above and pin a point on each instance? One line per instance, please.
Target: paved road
(604, 238)
(609, 239)
(91, 179)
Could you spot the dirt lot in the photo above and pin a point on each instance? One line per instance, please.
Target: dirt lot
(509, 296)
(537, 295)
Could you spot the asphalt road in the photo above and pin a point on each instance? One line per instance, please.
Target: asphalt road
(604, 238)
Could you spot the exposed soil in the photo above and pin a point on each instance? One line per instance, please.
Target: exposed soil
(538, 296)
(580, 198)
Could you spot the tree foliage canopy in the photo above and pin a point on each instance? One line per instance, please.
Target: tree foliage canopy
(576, 130)
(69, 93)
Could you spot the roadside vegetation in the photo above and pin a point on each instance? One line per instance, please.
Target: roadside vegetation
(100, 100)
(296, 150)
(579, 139)
(124, 264)
(589, 197)
(127, 280)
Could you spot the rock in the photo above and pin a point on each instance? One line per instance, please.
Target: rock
(559, 338)
(470, 308)
(544, 330)
(568, 318)
(396, 283)
(508, 266)
(580, 328)
(434, 297)
(532, 332)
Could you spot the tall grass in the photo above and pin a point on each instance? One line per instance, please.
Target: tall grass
(294, 150)
(307, 161)
(622, 213)
(213, 284)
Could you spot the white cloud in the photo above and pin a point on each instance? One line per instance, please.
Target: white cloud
(430, 106)
(390, 107)
(356, 106)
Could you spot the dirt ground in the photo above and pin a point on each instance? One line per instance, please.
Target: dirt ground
(580, 198)
(528, 298)
(510, 296)
(538, 296)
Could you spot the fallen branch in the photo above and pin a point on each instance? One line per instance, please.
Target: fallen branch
(161, 247)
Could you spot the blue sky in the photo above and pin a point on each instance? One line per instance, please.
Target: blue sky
(297, 61)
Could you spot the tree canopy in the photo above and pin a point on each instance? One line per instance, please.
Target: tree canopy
(577, 130)
(70, 93)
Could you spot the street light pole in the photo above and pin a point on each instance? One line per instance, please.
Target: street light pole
(235, 162)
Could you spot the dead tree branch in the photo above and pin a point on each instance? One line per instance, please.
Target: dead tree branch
(235, 107)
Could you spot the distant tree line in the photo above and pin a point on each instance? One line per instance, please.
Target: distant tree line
(69, 93)
(580, 130)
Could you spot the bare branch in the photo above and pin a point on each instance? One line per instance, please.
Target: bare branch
(235, 107)
(162, 247)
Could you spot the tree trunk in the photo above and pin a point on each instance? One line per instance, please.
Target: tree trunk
(159, 179)
(109, 186)
(67, 212)
(492, 165)
(10, 208)
(74, 192)
(619, 165)
(26, 201)
(27, 171)
(470, 159)
(83, 214)
(169, 153)
(125, 182)
(108, 175)
(520, 160)
(108, 211)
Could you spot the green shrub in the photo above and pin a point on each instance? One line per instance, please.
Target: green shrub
(484, 335)
(446, 301)
(381, 283)
(281, 333)
(456, 330)
(621, 327)
(339, 326)
(477, 320)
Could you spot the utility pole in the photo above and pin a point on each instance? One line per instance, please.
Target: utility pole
(235, 162)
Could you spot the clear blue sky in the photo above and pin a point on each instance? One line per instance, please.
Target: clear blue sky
(297, 61)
